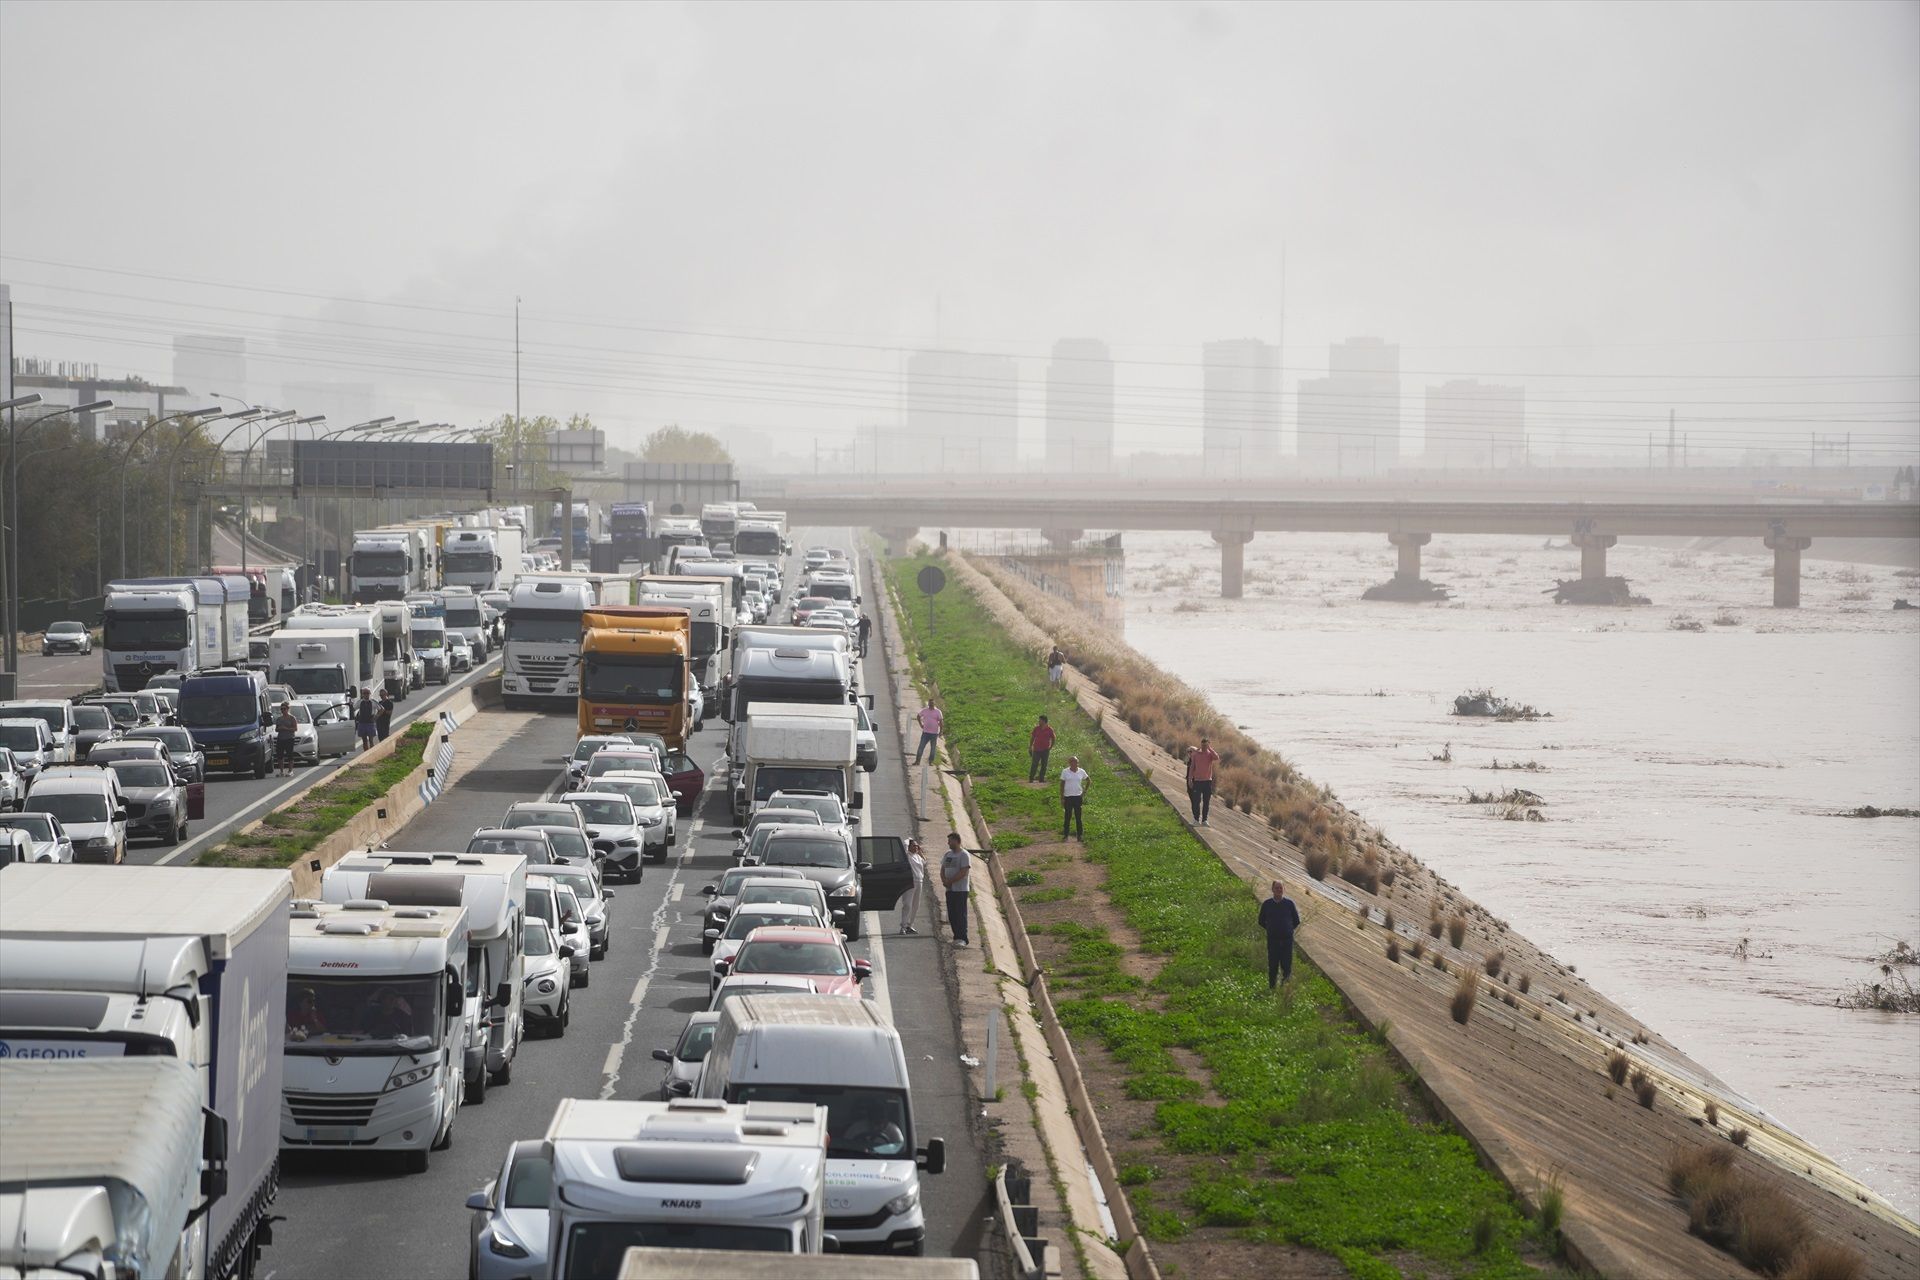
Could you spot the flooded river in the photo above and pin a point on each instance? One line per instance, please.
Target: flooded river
(1689, 780)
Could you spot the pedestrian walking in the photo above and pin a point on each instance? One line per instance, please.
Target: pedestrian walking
(931, 719)
(383, 715)
(285, 730)
(954, 868)
(364, 722)
(910, 900)
(866, 629)
(1073, 799)
(1279, 916)
(1039, 747)
(1202, 763)
(1056, 668)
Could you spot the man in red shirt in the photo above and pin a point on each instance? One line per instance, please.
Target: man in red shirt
(1202, 761)
(1039, 743)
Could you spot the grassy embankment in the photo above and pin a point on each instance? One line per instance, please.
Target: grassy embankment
(286, 833)
(1315, 1140)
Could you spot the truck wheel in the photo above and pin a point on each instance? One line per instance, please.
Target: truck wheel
(504, 1075)
(415, 1161)
(476, 1092)
(853, 925)
(586, 977)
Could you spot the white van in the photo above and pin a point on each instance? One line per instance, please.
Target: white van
(842, 1055)
(56, 714)
(89, 805)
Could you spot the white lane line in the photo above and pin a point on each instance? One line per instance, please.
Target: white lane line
(673, 895)
(660, 934)
(613, 1061)
(639, 990)
(877, 949)
(618, 1050)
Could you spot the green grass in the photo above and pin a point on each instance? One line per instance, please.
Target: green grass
(1312, 1141)
(287, 833)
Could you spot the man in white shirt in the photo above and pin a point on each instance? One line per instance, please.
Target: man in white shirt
(1073, 799)
(910, 900)
(954, 868)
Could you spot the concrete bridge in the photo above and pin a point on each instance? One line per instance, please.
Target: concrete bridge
(1785, 527)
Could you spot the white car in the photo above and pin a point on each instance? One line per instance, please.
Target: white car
(616, 830)
(593, 901)
(459, 652)
(556, 904)
(49, 838)
(31, 743)
(744, 920)
(66, 637)
(89, 806)
(825, 804)
(583, 751)
(653, 806)
(760, 984)
(13, 785)
(509, 1230)
(545, 990)
(688, 1052)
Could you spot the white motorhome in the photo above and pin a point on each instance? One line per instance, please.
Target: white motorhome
(187, 964)
(375, 1048)
(843, 1055)
(493, 889)
(399, 668)
(542, 652)
(795, 747)
(688, 1173)
(335, 617)
(318, 664)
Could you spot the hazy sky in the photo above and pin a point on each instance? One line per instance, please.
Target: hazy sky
(743, 214)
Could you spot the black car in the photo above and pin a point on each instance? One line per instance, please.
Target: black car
(92, 724)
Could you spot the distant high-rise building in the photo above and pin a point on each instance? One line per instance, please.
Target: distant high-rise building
(1475, 425)
(1080, 407)
(963, 414)
(344, 403)
(1348, 422)
(208, 363)
(1240, 407)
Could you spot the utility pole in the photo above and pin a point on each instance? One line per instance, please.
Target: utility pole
(1669, 439)
(516, 386)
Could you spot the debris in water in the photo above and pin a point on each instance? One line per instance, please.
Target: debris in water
(1871, 811)
(1487, 704)
(1612, 590)
(1406, 591)
(1893, 994)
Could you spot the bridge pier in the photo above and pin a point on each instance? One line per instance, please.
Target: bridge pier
(1062, 539)
(1409, 545)
(1593, 552)
(897, 540)
(1233, 562)
(1786, 550)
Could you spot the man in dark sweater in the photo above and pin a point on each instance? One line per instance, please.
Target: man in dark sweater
(1279, 916)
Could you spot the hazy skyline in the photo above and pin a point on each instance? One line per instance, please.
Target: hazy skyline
(747, 214)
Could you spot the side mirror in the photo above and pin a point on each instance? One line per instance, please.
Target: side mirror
(710, 933)
(863, 867)
(478, 1202)
(566, 952)
(213, 1154)
(724, 966)
(120, 814)
(607, 894)
(858, 802)
(503, 995)
(862, 969)
(456, 992)
(662, 1055)
(709, 890)
(933, 1156)
(681, 1088)
(829, 1243)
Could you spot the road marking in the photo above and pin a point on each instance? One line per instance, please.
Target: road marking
(618, 1049)
(660, 934)
(639, 990)
(882, 995)
(613, 1061)
(673, 895)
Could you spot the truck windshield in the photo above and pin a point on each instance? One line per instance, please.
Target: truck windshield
(216, 710)
(466, 613)
(541, 626)
(429, 639)
(467, 562)
(862, 1124)
(328, 1015)
(598, 1248)
(771, 778)
(148, 630)
(757, 542)
(379, 564)
(620, 678)
(19, 737)
(313, 679)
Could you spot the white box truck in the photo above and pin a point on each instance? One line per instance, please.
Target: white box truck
(108, 1169)
(366, 670)
(375, 1047)
(688, 1173)
(318, 664)
(188, 963)
(465, 617)
(493, 889)
(796, 748)
(840, 1054)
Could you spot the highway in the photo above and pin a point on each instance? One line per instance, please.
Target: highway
(350, 1215)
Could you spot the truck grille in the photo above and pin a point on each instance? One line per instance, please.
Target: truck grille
(132, 677)
(542, 675)
(328, 1109)
(860, 1222)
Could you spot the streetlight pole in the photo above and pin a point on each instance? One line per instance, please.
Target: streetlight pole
(13, 408)
(173, 459)
(128, 457)
(12, 646)
(245, 455)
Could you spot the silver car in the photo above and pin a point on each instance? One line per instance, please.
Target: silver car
(617, 832)
(185, 756)
(583, 751)
(13, 787)
(593, 901)
(688, 1052)
(510, 1217)
(546, 991)
(652, 801)
(50, 843)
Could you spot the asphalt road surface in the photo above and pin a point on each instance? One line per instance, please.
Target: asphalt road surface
(355, 1215)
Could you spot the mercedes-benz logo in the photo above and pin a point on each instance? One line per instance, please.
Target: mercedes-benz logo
(146, 668)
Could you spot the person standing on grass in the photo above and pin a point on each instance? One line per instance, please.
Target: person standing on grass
(931, 719)
(1039, 747)
(383, 715)
(285, 730)
(1073, 799)
(1202, 762)
(955, 866)
(1057, 668)
(1279, 916)
(910, 900)
(364, 721)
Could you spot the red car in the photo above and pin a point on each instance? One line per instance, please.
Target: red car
(801, 951)
(803, 608)
(685, 779)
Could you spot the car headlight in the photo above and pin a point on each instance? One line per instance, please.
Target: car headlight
(163, 803)
(904, 1202)
(413, 1075)
(547, 987)
(628, 842)
(503, 1245)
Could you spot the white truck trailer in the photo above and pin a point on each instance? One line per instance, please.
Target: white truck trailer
(367, 667)
(375, 1047)
(493, 889)
(104, 962)
(688, 1173)
(318, 664)
(795, 747)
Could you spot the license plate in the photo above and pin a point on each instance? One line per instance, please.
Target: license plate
(216, 760)
(330, 1133)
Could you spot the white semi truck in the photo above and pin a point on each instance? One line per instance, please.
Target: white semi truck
(688, 1173)
(375, 1046)
(387, 563)
(493, 889)
(180, 963)
(144, 617)
(484, 559)
(542, 652)
(109, 1168)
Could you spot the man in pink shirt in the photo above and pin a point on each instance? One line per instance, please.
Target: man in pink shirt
(1202, 761)
(930, 720)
